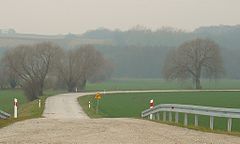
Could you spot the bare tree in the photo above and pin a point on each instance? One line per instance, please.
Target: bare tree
(7, 78)
(103, 73)
(31, 64)
(192, 59)
(12, 79)
(68, 69)
(3, 78)
(91, 62)
(76, 66)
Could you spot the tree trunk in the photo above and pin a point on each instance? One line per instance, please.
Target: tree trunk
(71, 86)
(41, 89)
(83, 84)
(197, 78)
(198, 84)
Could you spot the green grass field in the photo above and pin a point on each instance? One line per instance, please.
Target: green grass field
(131, 105)
(6, 99)
(27, 109)
(129, 84)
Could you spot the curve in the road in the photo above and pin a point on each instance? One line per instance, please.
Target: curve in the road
(66, 106)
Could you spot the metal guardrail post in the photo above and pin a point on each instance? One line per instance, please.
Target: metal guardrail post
(164, 116)
(158, 115)
(151, 116)
(211, 122)
(196, 120)
(229, 124)
(170, 116)
(185, 119)
(176, 117)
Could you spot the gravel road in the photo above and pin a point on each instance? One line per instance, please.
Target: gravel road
(64, 106)
(65, 122)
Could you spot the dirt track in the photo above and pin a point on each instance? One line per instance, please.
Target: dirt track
(65, 122)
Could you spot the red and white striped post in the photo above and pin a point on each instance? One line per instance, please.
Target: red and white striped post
(151, 106)
(15, 107)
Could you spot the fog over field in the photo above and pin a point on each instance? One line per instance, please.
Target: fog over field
(141, 52)
(78, 16)
(135, 35)
(68, 67)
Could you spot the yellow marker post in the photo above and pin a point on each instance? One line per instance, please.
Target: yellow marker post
(98, 96)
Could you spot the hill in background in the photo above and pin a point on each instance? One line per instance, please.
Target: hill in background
(140, 52)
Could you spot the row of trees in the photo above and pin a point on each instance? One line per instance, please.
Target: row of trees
(76, 66)
(30, 65)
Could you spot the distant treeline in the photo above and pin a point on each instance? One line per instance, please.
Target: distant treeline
(140, 52)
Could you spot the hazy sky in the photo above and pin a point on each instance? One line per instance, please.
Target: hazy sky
(77, 16)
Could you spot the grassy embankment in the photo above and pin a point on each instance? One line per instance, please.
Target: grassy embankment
(27, 109)
(131, 105)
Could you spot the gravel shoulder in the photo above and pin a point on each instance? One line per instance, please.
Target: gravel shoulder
(65, 122)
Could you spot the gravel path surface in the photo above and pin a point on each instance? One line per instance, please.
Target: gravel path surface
(64, 106)
(65, 122)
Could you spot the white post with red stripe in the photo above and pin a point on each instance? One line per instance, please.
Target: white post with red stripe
(39, 103)
(15, 107)
(151, 106)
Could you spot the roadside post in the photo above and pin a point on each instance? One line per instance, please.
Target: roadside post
(89, 104)
(39, 103)
(98, 97)
(76, 89)
(15, 107)
(151, 106)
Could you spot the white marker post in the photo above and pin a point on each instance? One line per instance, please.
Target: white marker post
(15, 107)
(39, 103)
(89, 104)
(151, 106)
(76, 89)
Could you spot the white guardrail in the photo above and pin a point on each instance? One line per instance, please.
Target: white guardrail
(4, 115)
(154, 113)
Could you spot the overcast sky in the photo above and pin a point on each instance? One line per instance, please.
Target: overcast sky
(77, 16)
